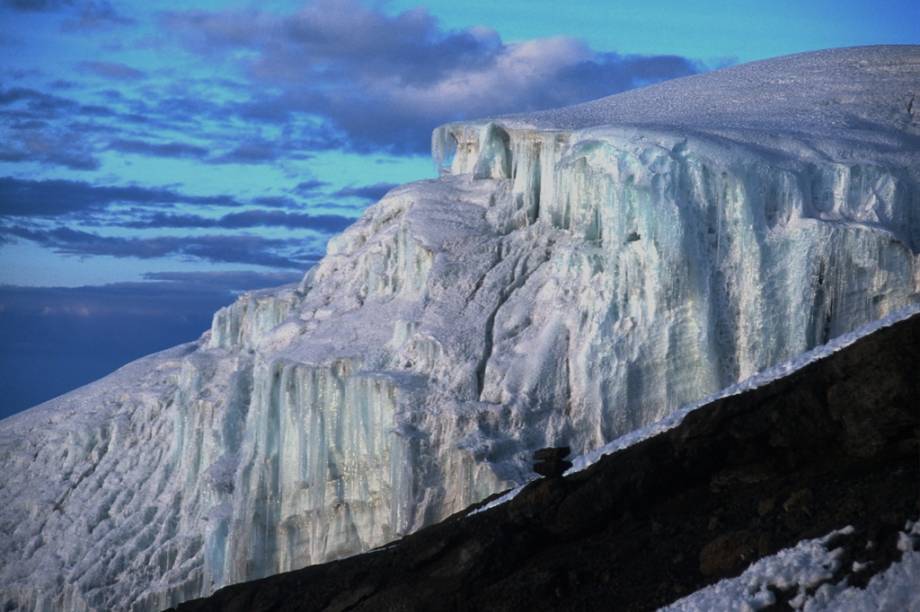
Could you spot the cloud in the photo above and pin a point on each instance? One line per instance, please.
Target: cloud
(241, 280)
(158, 149)
(367, 192)
(47, 129)
(36, 101)
(37, 5)
(84, 14)
(306, 188)
(246, 249)
(276, 201)
(52, 197)
(54, 147)
(254, 152)
(95, 15)
(113, 70)
(26, 103)
(328, 224)
(298, 78)
(371, 81)
(294, 144)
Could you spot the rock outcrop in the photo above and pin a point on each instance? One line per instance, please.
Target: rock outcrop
(551, 462)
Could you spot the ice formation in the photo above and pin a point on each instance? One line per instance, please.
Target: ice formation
(572, 276)
(675, 418)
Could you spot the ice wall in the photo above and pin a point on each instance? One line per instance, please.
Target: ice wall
(555, 285)
(684, 266)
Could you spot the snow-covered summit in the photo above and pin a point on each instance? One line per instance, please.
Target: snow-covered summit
(557, 285)
(868, 93)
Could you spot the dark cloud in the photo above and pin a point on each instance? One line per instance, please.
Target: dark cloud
(158, 149)
(37, 5)
(310, 187)
(330, 34)
(276, 202)
(23, 197)
(62, 84)
(35, 100)
(22, 103)
(367, 192)
(328, 224)
(250, 153)
(46, 330)
(52, 148)
(83, 14)
(113, 70)
(96, 110)
(51, 130)
(26, 102)
(95, 15)
(381, 82)
(247, 249)
(287, 147)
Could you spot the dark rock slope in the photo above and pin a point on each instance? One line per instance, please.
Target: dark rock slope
(833, 444)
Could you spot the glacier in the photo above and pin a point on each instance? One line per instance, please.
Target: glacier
(572, 276)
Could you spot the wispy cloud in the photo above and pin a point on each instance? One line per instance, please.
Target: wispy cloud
(309, 187)
(56, 147)
(158, 149)
(247, 249)
(226, 280)
(113, 70)
(328, 224)
(46, 198)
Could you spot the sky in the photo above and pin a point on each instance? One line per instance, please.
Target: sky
(157, 158)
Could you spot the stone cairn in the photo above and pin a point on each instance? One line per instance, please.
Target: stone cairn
(551, 462)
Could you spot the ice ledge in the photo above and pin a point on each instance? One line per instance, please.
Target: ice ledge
(843, 123)
(830, 94)
(553, 173)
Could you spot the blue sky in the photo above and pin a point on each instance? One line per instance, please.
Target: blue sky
(156, 158)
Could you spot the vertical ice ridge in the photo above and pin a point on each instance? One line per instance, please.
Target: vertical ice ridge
(317, 474)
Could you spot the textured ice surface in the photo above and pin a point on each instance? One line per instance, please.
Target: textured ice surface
(807, 570)
(759, 379)
(564, 282)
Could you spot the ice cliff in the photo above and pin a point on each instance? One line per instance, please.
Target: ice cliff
(572, 275)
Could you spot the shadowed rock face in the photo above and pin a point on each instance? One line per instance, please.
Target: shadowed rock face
(833, 444)
(551, 462)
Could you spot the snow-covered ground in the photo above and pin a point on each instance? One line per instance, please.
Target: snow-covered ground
(806, 572)
(571, 278)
